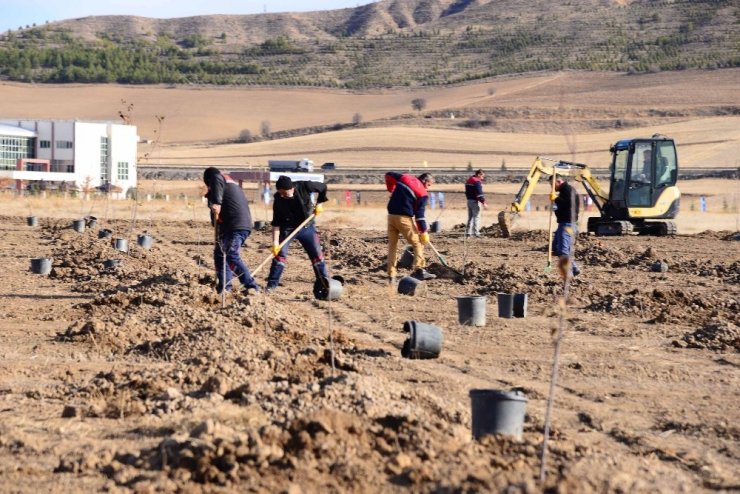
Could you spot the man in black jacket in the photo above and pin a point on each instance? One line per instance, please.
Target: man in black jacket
(292, 205)
(233, 220)
(566, 211)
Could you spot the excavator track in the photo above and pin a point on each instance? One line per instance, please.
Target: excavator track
(610, 228)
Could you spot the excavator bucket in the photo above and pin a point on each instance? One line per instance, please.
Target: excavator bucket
(504, 221)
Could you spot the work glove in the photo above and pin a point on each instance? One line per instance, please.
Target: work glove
(424, 237)
(553, 196)
(275, 249)
(318, 209)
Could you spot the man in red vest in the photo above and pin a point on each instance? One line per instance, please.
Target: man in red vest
(406, 217)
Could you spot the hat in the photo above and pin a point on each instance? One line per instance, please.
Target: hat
(210, 173)
(284, 183)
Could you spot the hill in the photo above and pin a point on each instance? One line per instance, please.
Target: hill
(390, 43)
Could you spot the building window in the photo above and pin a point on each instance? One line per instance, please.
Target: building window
(65, 144)
(13, 148)
(122, 170)
(43, 144)
(104, 156)
(62, 166)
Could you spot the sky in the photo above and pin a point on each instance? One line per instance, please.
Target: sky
(16, 13)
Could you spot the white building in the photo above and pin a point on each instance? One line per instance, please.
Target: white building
(83, 154)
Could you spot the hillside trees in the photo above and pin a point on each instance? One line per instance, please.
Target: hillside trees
(644, 37)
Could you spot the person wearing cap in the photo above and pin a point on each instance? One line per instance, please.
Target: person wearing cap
(232, 218)
(291, 206)
(476, 199)
(566, 206)
(406, 217)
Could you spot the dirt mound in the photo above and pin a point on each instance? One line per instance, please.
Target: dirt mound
(330, 449)
(596, 252)
(665, 306)
(719, 336)
(354, 252)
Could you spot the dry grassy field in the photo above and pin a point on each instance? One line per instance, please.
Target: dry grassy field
(568, 115)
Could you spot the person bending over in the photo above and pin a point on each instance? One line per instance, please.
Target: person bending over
(406, 217)
(291, 206)
(232, 218)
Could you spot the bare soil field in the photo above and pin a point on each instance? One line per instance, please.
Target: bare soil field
(136, 379)
(568, 115)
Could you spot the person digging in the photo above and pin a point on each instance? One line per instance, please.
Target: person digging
(406, 217)
(231, 217)
(291, 207)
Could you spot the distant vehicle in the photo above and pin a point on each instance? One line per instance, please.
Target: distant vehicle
(329, 166)
(304, 165)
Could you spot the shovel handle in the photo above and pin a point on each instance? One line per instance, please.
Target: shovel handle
(436, 252)
(285, 241)
(549, 228)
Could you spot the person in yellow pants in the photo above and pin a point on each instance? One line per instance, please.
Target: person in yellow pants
(406, 217)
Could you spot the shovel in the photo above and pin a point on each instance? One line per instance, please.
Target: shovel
(548, 268)
(282, 244)
(442, 260)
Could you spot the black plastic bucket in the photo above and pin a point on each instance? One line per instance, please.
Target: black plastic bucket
(424, 341)
(78, 225)
(41, 265)
(471, 310)
(498, 412)
(31, 221)
(408, 285)
(259, 225)
(105, 233)
(435, 227)
(505, 304)
(144, 241)
(407, 258)
(328, 288)
(520, 304)
(111, 263)
(91, 221)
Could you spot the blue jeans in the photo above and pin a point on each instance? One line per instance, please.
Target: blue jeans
(309, 240)
(473, 225)
(231, 242)
(563, 242)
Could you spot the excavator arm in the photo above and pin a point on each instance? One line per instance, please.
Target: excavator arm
(577, 171)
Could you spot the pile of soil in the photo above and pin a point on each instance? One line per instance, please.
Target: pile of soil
(719, 336)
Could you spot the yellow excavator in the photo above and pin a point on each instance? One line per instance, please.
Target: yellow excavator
(642, 197)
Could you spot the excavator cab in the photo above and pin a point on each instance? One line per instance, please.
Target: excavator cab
(643, 192)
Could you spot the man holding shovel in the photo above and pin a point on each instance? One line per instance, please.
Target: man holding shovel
(406, 217)
(290, 210)
(231, 217)
(566, 212)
